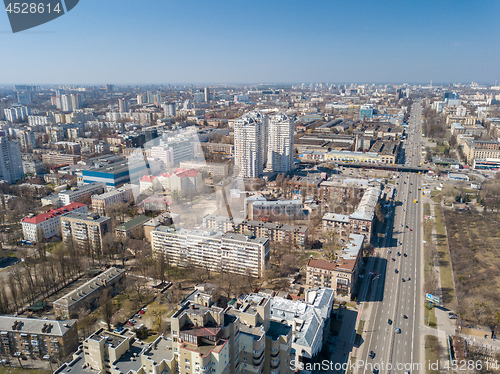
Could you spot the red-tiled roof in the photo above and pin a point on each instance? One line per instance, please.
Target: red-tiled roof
(147, 178)
(183, 173)
(341, 264)
(52, 213)
(321, 264)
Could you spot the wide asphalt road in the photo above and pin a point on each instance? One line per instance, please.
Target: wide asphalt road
(396, 292)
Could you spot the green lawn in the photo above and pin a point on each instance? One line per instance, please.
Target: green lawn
(430, 354)
(430, 316)
(445, 271)
(360, 327)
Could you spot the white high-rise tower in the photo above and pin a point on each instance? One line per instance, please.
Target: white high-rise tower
(280, 143)
(250, 144)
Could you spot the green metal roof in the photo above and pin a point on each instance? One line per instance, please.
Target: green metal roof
(133, 222)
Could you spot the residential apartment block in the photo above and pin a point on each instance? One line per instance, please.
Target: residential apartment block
(280, 142)
(82, 193)
(11, 162)
(60, 158)
(309, 320)
(342, 274)
(88, 294)
(85, 231)
(359, 222)
(104, 201)
(231, 252)
(214, 169)
(250, 144)
(278, 232)
(204, 339)
(37, 338)
(239, 339)
(48, 224)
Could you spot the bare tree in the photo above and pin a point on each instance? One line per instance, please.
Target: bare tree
(106, 307)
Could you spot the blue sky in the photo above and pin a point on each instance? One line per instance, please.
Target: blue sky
(273, 41)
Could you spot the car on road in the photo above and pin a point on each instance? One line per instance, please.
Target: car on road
(375, 371)
(405, 255)
(403, 279)
(393, 259)
(389, 321)
(372, 354)
(396, 271)
(411, 230)
(398, 330)
(399, 253)
(408, 279)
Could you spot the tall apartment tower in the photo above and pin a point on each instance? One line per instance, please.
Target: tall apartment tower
(250, 144)
(123, 105)
(11, 162)
(207, 94)
(280, 143)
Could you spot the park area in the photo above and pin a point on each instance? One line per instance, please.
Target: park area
(474, 241)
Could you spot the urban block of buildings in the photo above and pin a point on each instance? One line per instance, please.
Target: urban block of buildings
(340, 275)
(37, 338)
(48, 224)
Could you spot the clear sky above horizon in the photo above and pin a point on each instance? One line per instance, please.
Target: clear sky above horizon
(192, 41)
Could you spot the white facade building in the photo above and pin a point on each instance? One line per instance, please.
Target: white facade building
(86, 190)
(250, 144)
(17, 113)
(234, 253)
(11, 162)
(280, 143)
(48, 223)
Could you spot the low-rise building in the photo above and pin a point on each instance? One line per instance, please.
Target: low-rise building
(83, 193)
(48, 224)
(280, 210)
(60, 158)
(360, 221)
(88, 294)
(132, 229)
(214, 169)
(164, 219)
(102, 202)
(278, 232)
(340, 275)
(37, 338)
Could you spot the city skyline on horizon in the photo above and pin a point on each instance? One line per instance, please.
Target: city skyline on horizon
(257, 42)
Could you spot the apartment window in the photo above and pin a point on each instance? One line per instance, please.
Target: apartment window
(186, 361)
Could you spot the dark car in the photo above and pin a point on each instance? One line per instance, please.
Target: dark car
(403, 279)
(399, 253)
(396, 271)
(389, 321)
(372, 354)
(404, 254)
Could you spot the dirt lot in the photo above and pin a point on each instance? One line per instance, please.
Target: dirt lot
(474, 240)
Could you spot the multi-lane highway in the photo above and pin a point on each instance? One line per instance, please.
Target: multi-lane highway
(394, 297)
